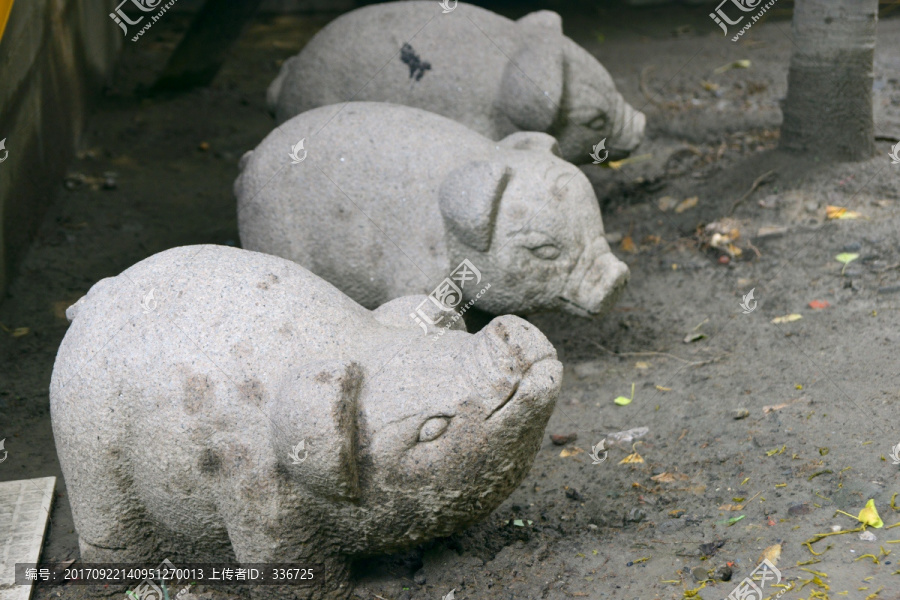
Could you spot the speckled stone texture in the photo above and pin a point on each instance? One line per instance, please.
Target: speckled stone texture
(390, 199)
(176, 414)
(492, 74)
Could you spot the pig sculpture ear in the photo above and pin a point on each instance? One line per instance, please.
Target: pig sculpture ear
(417, 312)
(314, 427)
(531, 140)
(542, 21)
(531, 90)
(469, 198)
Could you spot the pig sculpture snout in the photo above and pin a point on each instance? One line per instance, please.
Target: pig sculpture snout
(519, 364)
(596, 290)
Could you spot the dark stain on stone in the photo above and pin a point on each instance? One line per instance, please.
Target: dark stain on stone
(417, 66)
(271, 279)
(198, 391)
(210, 462)
(253, 391)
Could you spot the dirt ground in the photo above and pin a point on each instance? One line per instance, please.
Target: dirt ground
(636, 530)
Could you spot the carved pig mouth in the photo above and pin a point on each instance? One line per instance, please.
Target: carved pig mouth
(580, 310)
(514, 397)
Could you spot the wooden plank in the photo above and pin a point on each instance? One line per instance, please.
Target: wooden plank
(24, 514)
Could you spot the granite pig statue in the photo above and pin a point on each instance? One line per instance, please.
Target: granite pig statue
(216, 404)
(492, 74)
(387, 200)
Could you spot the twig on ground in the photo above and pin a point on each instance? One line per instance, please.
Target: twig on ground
(697, 363)
(764, 178)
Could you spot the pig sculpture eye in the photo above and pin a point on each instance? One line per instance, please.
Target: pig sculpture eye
(546, 251)
(433, 428)
(598, 122)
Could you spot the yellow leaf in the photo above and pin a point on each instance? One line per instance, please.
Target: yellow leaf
(627, 244)
(669, 477)
(772, 553)
(632, 459)
(567, 452)
(686, 204)
(641, 365)
(732, 507)
(869, 515)
(840, 212)
(617, 164)
(787, 318)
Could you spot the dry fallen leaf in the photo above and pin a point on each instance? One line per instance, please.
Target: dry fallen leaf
(666, 203)
(632, 459)
(840, 212)
(772, 554)
(641, 365)
(819, 304)
(787, 318)
(686, 204)
(666, 477)
(567, 452)
(663, 389)
(773, 408)
(732, 507)
(627, 244)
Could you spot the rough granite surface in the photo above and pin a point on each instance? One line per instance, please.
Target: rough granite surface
(185, 385)
(388, 200)
(495, 75)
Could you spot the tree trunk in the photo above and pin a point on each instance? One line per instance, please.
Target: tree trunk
(828, 109)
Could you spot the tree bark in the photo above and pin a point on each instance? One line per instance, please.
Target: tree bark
(828, 109)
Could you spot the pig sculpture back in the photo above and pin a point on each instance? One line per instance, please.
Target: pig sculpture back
(385, 201)
(184, 387)
(492, 74)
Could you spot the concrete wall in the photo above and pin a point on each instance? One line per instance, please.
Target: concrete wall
(54, 57)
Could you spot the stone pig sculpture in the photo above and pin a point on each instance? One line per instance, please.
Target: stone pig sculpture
(184, 387)
(492, 74)
(388, 200)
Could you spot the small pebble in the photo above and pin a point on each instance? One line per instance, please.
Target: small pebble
(835, 528)
(724, 259)
(563, 439)
(740, 413)
(798, 509)
(867, 536)
(699, 574)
